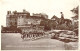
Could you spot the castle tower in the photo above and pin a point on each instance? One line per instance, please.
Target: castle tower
(8, 18)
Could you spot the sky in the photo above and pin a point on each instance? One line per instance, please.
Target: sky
(49, 7)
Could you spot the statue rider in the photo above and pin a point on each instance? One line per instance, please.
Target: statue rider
(62, 18)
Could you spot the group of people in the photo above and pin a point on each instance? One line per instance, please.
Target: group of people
(31, 34)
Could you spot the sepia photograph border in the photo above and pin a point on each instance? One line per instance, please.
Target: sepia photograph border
(1, 20)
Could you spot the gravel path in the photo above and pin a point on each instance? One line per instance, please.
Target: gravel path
(13, 41)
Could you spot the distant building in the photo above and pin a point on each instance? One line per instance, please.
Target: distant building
(55, 18)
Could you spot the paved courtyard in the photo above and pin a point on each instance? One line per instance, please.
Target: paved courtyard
(13, 41)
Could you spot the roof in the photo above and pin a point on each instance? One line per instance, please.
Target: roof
(21, 13)
(36, 17)
(24, 12)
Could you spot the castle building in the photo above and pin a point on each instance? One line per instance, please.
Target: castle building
(24, 21)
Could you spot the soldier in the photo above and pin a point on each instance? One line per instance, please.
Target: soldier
(24, 35)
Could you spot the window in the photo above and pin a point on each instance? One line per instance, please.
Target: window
(15, 23)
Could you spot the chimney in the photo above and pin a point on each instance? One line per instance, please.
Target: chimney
(24, 10)
(14, 11)
(8, 12)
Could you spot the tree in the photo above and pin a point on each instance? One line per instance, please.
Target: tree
(45, 24)
(75, 11)
(48, 24)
